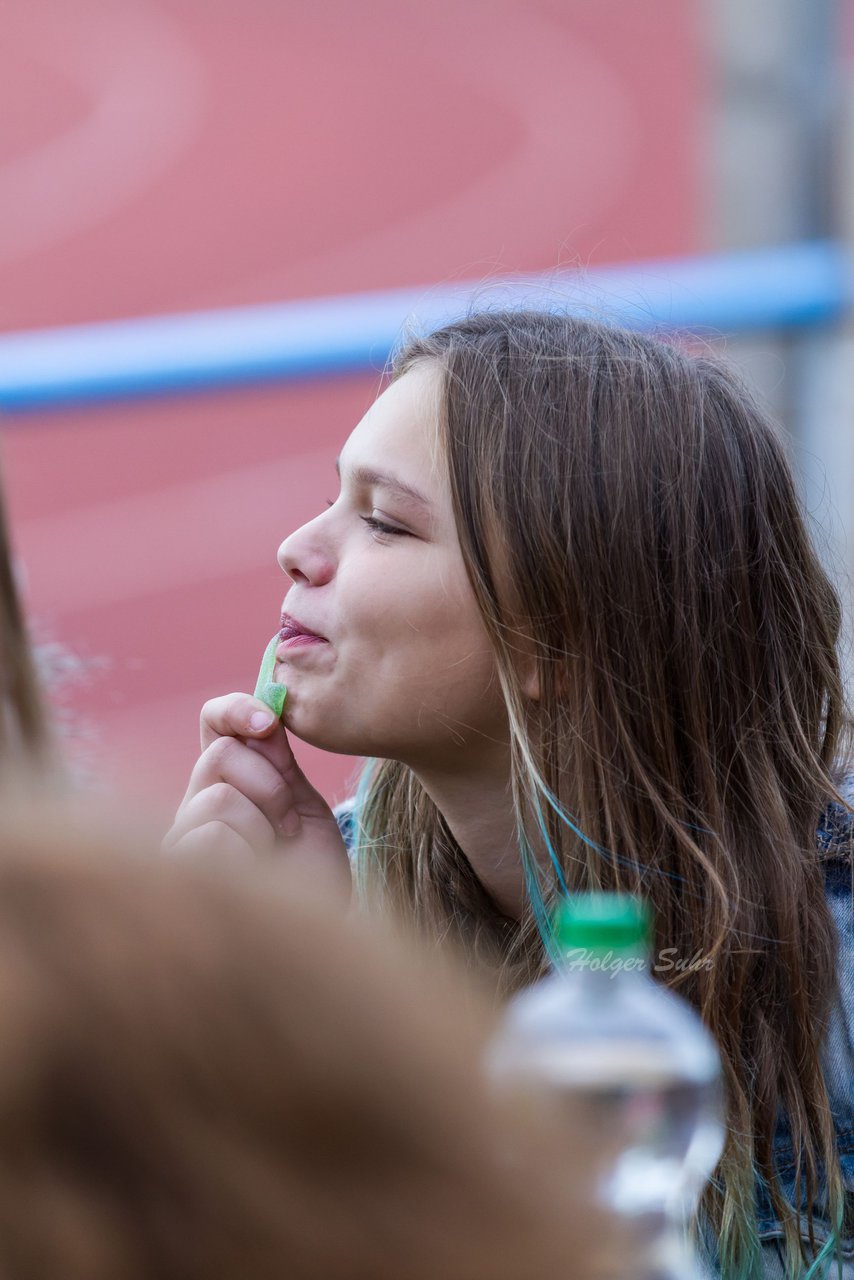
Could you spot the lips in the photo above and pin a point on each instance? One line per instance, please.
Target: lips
(292, 629)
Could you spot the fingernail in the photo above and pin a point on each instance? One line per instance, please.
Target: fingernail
(260, 720)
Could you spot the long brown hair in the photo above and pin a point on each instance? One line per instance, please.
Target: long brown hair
(204, 1073)
(628, 515)
(24, 739)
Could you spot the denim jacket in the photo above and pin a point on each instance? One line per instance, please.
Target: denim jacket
(834, 842)
(834, 845)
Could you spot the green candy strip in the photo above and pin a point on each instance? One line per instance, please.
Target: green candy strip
(266, 689)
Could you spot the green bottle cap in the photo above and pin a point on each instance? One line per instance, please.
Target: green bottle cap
(603, 922)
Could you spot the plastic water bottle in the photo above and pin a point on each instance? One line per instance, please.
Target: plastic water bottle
(602, 1031)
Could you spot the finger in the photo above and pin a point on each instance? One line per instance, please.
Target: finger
(231, 716)
(222, 806)
(236, 715)
(303, 797)
(213, 840)
(229, 760)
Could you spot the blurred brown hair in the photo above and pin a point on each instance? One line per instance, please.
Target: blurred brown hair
(207, 1074)
(23, 734)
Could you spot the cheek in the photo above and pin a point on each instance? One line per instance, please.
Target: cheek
(411, 629)
(466, 673)
(414, 684)
(449, 663)
(406, 605)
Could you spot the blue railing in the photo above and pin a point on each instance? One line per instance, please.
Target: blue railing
(792, 286)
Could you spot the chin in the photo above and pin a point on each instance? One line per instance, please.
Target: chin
(321, 725)
(325, 737)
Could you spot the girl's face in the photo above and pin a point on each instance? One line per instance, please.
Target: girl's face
(404, 669)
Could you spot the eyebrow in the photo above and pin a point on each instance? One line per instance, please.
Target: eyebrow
(382, 480)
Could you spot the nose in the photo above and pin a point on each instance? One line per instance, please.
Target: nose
(305, 555)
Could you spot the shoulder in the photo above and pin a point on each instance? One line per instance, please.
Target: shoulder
(836, 849)
(835, 832)
(835, 838)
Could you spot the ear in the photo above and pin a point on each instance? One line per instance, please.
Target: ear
(530, 681)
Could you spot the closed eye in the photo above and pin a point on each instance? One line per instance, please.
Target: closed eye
(378, 526)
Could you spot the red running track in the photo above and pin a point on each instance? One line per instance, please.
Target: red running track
(192, 153)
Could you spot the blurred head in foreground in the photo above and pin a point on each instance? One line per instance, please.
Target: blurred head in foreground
(207, 1076)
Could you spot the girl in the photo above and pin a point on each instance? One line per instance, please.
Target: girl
(566, 602)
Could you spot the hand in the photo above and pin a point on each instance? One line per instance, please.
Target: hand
(248, 795)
